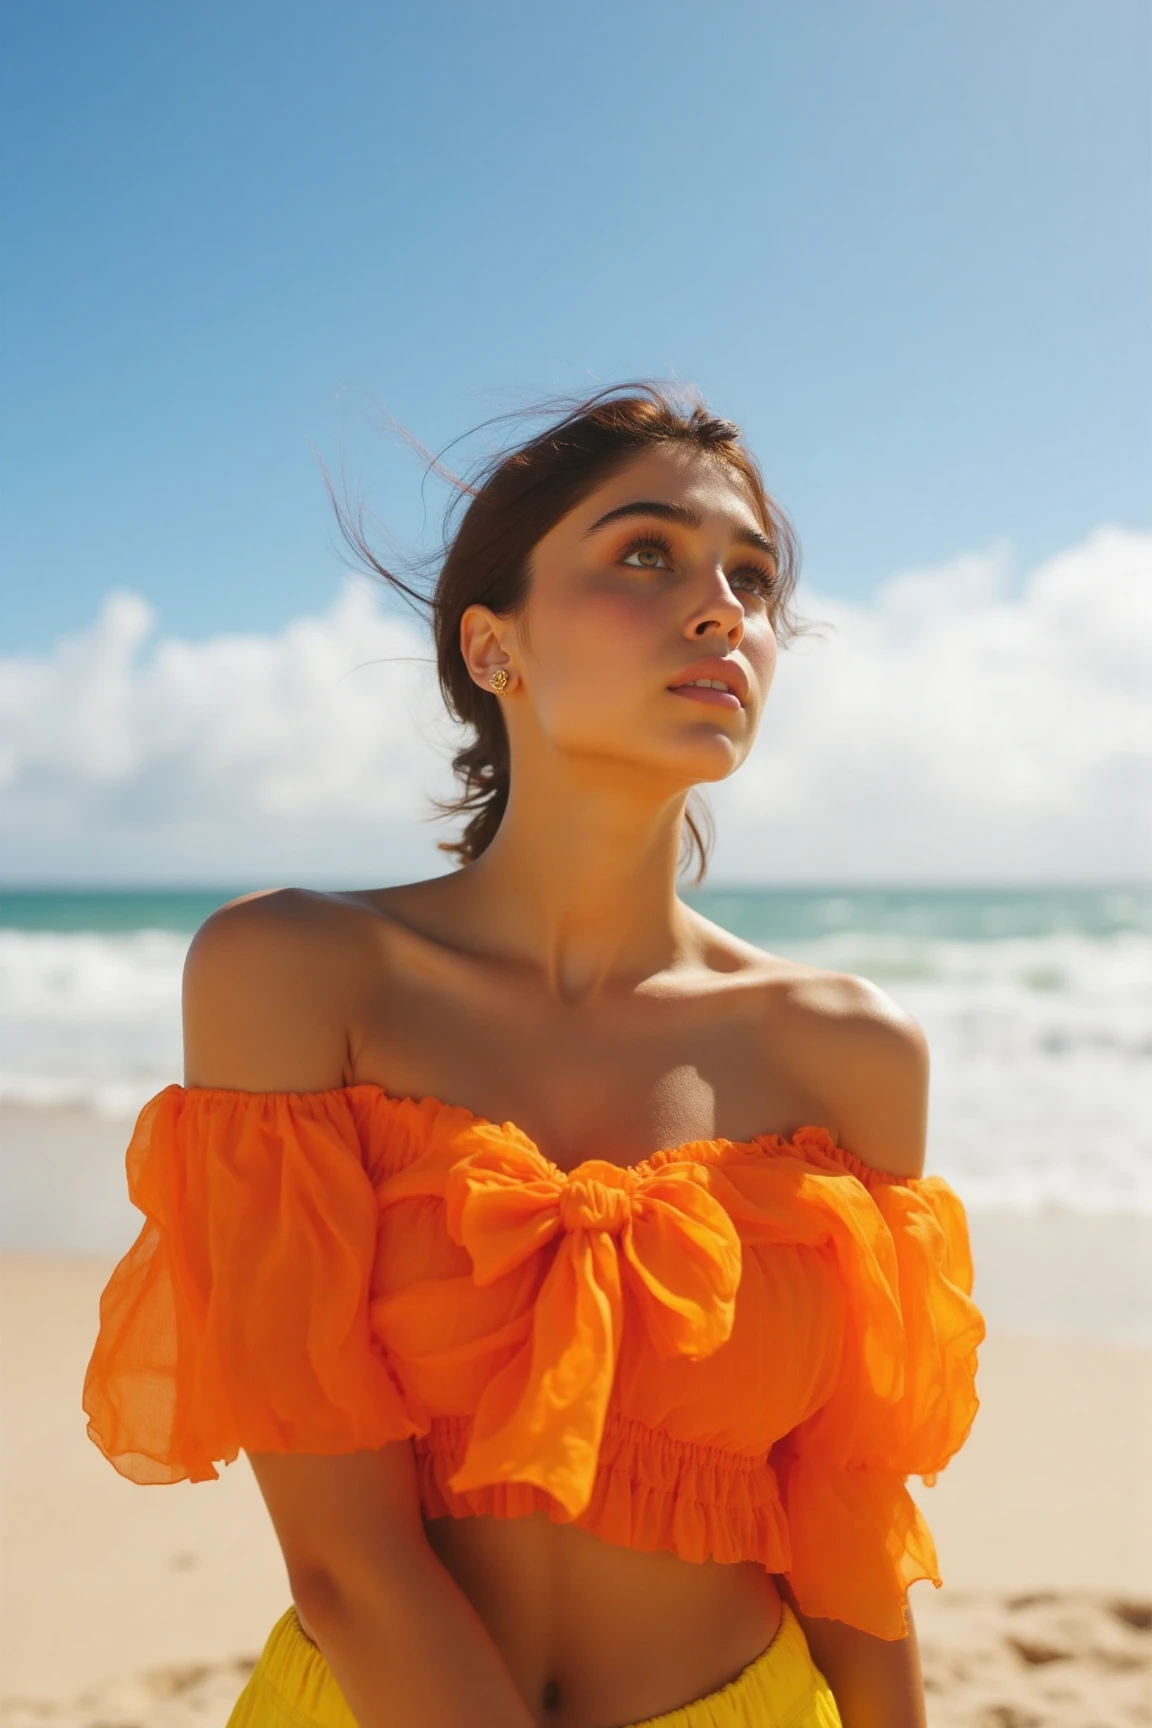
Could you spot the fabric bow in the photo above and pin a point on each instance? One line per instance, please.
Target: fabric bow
(659, 1234)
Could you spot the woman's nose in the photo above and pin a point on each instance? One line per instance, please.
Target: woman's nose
(719, 611)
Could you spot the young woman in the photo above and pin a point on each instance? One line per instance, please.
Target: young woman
(563, 1264)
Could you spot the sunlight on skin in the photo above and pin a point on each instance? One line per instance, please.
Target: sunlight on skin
(615, 615)
(604, 748)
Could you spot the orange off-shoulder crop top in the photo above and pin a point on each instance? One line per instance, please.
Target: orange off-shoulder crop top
(732, 1350)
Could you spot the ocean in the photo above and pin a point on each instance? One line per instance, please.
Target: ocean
(1037, 1006)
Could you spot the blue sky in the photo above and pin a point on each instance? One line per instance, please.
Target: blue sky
(907, 246)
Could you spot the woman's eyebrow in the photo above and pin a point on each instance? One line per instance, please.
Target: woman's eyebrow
(686, 517)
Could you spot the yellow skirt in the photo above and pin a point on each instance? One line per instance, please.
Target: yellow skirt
(292, 1686)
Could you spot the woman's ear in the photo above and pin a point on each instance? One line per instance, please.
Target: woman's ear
(482, 647)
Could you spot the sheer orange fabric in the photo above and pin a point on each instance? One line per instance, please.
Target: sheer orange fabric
(732, 1350)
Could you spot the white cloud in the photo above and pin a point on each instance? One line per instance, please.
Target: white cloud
(949, 732)
(127, 755)
(946, 731)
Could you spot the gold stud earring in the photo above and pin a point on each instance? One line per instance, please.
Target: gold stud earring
(498, 679)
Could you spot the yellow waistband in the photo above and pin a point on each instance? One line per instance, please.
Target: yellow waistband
(292, 1686)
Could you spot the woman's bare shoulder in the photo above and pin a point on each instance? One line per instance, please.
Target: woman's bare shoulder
(864, 1054)
(841, 1039)
(269, 980)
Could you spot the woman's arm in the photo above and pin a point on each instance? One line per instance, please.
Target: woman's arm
(405, 1645)
(267, 985)
(876, 1681)
(872, 1062)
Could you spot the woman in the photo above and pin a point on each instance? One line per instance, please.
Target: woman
(562, 1263)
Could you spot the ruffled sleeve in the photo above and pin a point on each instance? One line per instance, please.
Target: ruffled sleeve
(903, 1403)
(240, 1315)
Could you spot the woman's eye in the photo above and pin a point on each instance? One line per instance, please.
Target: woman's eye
(762, 581)
(657, 555)
(646, 558)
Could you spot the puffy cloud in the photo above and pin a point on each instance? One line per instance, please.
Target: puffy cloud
(948, 730)
(125, 755)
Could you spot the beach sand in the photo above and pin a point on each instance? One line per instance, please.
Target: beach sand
(131, 1607)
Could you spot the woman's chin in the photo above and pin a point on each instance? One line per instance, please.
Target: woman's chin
(700, 752)
(709, 759)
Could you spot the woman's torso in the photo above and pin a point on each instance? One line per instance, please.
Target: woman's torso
(727, 1046)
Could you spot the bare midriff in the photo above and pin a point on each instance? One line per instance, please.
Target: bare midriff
(595, 1634)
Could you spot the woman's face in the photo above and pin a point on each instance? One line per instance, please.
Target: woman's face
(660, 578)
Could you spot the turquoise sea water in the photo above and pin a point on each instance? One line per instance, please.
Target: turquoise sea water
(1037, 1005)
(758, 914)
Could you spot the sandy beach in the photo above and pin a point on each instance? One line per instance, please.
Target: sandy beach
(145, 1607)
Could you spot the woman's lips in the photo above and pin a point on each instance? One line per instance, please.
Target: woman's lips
(703, 693)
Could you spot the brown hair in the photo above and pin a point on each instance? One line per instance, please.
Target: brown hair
(514, 500)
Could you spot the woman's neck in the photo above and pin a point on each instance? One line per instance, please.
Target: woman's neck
(580, 879)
